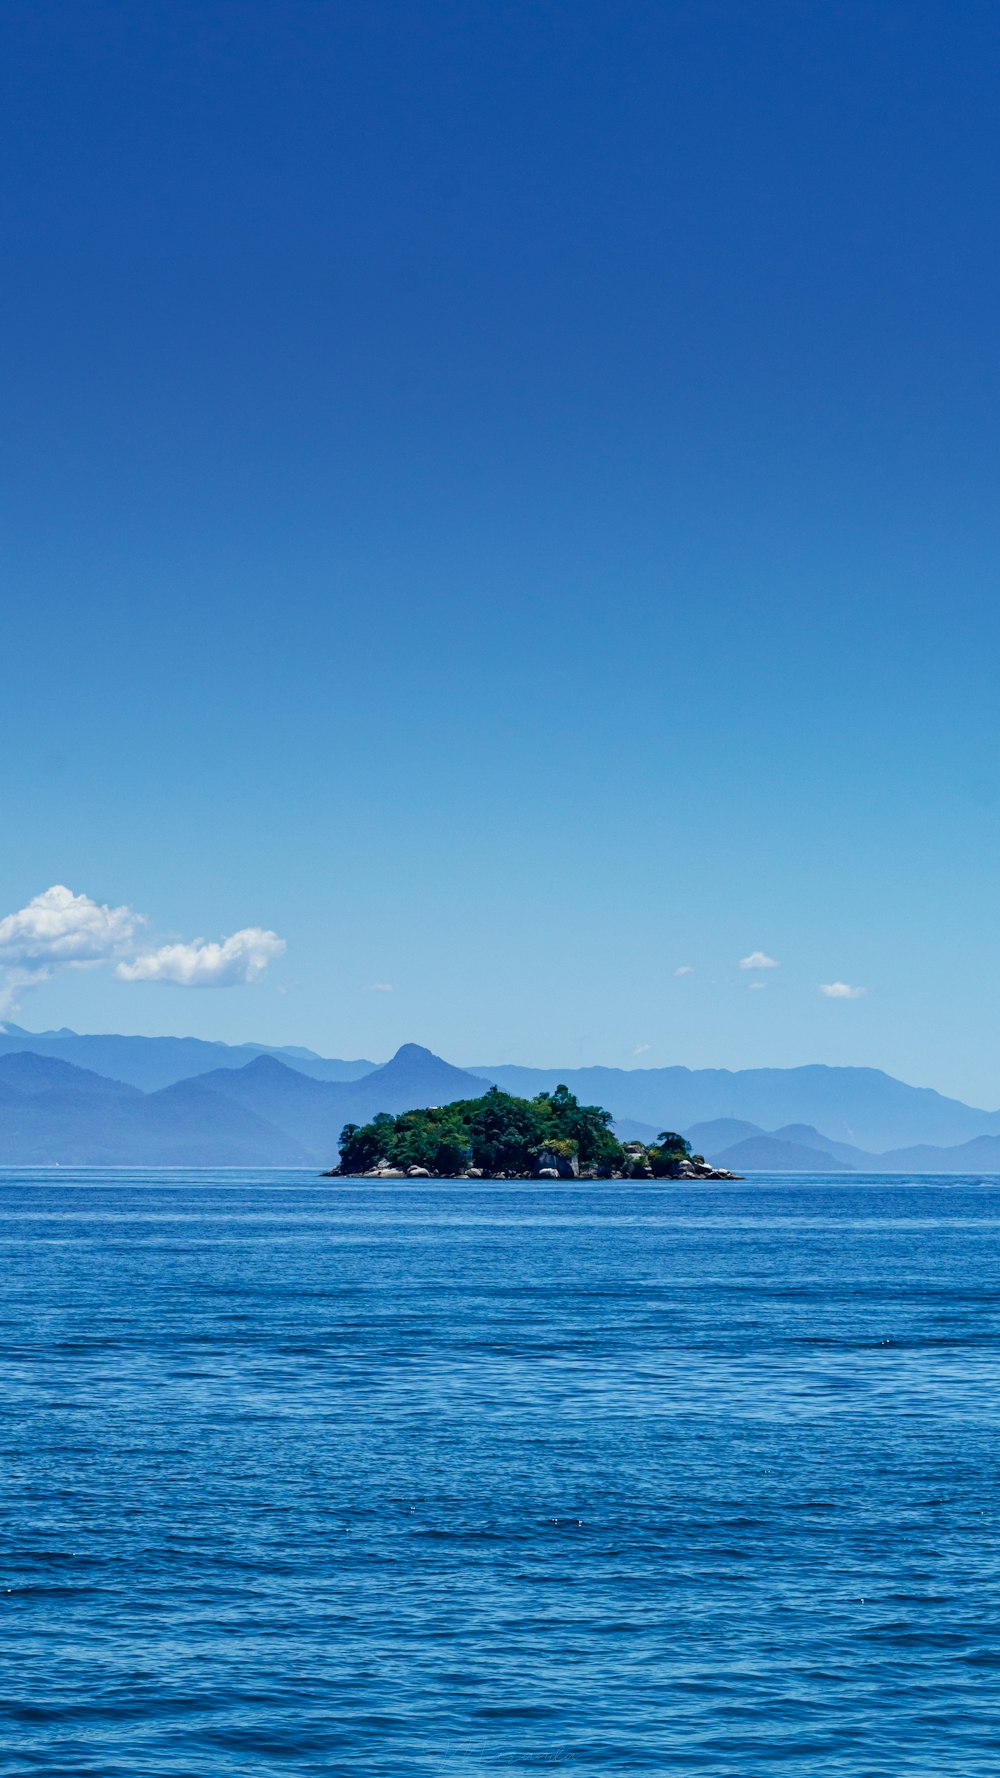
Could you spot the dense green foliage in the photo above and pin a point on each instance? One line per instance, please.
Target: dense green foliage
(501, 1134)
(497, 1133)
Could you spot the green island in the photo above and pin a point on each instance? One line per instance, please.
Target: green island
(499, 1136)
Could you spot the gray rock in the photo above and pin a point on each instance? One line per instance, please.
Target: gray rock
(548, 1173)
(549, 1162)
(418, 1173)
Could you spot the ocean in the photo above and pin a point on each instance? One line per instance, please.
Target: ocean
(299, 1476)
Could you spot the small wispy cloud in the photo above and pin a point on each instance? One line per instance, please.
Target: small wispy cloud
(841, 991)
(378, 987)
(757, 985)
(685, 969)
(759, 960)
(641, 1048)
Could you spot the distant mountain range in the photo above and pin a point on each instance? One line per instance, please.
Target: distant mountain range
(860, 1106)
(261, 1114)
(800, 1148)
(151, 1062)
(112, 1100)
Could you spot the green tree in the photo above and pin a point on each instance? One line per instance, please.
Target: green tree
(361, 1148)
(667, 1153)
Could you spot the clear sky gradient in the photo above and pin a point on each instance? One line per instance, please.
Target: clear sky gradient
(505, 498)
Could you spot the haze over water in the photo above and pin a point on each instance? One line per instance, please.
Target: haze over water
(301, 1478)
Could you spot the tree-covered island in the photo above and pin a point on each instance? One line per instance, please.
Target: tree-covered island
(499, 1136)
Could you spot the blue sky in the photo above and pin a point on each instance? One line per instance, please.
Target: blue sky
(503, 498)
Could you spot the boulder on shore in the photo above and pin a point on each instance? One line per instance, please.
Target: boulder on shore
(549, 1162)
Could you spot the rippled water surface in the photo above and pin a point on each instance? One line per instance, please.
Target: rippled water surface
(300, 1477)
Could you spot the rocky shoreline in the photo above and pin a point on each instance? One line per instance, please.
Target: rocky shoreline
(563, 1170)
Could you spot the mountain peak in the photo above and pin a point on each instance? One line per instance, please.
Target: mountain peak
(265, 1065)
(33, 1073)
(414, 1052)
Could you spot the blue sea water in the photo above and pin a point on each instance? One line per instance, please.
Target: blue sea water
(301, 1477)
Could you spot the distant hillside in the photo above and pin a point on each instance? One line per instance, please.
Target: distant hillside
(29, 1073)
(314, 1112)
(719, 1133)
(859, 1106)
(799, 1148)
(982, 1155)
(264, 1114)
(151, 1062)
(415, 1077)
(311, 1112)
(725, 1133)
(54, 1114)
(809, 1137)
(770, 1154)
(629, 1129)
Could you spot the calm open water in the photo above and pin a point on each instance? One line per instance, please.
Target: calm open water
(304, 1478)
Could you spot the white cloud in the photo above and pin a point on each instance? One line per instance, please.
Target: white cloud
(641, 1048)
(757, 985)
(58, 930)
(241, 958)
(60, 927)
(841, 991)
(685, 969)
(759, 960)
(378, 988)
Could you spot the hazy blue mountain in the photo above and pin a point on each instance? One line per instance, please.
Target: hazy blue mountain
(47, 1074)
(311, 1111)
(628, 1129)
(414, 1077)
(264, 1114)
(319, 1067)
(151, 1062)
(279, 1108)
(315, 1112)
(723, 1135)
(769, 1154)
(711, 1138)
(59, 1114)
(860, 1106)
(801, 1148)
(981, 1155)
(187, 1125)
(807, 1136)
